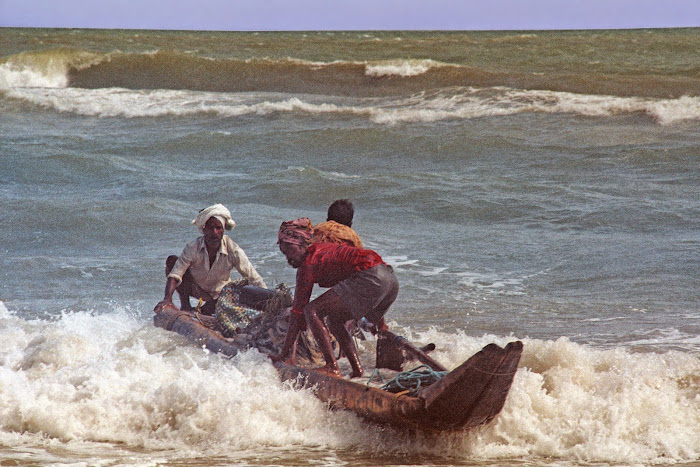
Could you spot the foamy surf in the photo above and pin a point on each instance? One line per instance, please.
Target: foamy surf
(45, 69)
(542, 185)
(463, 104)
(43, 78)
(114, 378)
(401, 67)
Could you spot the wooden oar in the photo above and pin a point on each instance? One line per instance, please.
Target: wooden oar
(412, 351)
(391, 348)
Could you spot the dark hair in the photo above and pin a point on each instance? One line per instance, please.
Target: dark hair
(341, 211)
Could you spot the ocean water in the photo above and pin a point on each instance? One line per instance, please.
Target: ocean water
(541, 186)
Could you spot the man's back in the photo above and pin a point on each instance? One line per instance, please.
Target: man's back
(333, 232)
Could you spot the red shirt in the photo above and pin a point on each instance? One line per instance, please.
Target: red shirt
(326, 264)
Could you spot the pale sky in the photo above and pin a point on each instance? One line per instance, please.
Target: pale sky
(290, 15)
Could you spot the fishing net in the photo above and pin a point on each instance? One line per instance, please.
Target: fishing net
(263, 325)
(231, 315)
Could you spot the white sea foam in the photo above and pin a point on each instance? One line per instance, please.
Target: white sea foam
(476, 103)
(117, 102)
(47, 89)
(400, 67)
(43, 69)
(668, 111)
(115, 380)
(314, 172)
(434, 271)
(398, 262)
(668, 337)
(491, 283)
(20, 76)
(570, 401)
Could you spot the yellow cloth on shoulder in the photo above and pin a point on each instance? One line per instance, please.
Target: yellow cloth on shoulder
(333, 232)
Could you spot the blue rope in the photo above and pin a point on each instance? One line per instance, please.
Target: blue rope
(375, 373)
(413, 380)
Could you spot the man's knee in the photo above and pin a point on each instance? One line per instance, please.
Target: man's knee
(380, 310)
(311, 312)
(170, 263)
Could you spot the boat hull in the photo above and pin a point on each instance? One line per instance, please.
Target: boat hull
(468, 396)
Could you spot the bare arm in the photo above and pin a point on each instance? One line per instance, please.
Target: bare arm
(296, 325)
(170, 285)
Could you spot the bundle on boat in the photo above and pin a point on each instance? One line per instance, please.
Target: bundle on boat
(468, 396)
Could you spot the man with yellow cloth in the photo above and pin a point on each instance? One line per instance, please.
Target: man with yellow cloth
(338, 226)
(361, 286)
(205, 265)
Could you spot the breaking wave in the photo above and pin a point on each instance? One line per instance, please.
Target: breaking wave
(168, 70)
(386, 92)
(453, 104)
(114, 378)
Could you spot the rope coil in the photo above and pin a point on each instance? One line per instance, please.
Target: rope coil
(413, 380)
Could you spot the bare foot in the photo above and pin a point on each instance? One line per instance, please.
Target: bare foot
(278, 358)
(275, 357)
(356, 374)
(162, 305)
(330, 371)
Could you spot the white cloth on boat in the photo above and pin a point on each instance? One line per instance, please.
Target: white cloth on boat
(212, 278)
(218, 211)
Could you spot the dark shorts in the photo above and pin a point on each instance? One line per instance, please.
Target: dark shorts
(369, 293)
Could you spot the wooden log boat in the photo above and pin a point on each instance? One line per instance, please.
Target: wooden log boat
(468, 396)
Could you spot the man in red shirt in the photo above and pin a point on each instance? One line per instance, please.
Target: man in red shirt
(361, 286)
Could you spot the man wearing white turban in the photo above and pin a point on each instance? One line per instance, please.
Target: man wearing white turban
(205, 265)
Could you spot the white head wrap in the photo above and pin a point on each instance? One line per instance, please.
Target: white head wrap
(218, 211)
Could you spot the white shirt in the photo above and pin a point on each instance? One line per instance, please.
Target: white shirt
(212, 279)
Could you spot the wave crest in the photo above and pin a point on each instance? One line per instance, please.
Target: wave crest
(452, 104)
(45, 69)
(401, 67)
(173, 70)
(161, 83)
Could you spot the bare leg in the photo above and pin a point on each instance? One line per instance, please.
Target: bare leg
(320, 332)
(347, 345)
(329, 304)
